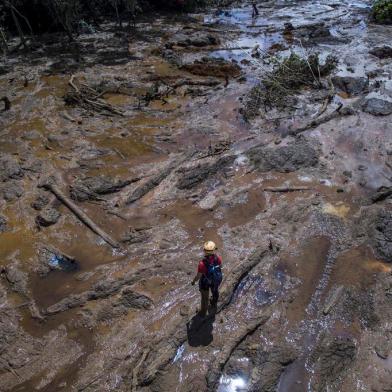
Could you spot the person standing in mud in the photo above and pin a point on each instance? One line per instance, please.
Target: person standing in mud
(209, 276)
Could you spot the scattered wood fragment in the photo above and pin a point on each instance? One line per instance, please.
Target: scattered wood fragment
(333, 300)
(88, 98)
(286, 189)
(321, 120)
(80, 214)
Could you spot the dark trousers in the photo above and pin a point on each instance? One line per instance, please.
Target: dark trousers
(204, 297)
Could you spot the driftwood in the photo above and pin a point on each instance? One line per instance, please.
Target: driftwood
(88, 98)
(332, 301)
(321, 120)
(286, 189)
(80, 214)
(7, 103)
(155, 180)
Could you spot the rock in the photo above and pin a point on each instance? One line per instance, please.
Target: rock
(197, 39)
(352, 85)
(213, 67)
(40, 202)
(268, 366)
(9, 169)
(332, 358)
(382, 236)
(284, 158)
(11, 190)
(382, 350)
(195, 175)
(377, 104)
(48, 217)
(132, 299)
(90, 187)
(382, 52)
(70, 302)
(381, 194)
(16, 278)
(3, 224)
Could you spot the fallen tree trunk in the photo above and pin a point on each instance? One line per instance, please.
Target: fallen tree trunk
(80, 214)
(155, 180)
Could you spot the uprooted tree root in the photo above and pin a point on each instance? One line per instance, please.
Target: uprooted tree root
(88, 98)
(278, 87)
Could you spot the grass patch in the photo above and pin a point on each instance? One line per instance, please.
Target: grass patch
(382, 11)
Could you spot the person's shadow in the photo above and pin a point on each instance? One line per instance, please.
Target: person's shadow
(200, 329)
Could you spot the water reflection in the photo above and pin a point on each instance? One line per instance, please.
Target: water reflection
(232, 384)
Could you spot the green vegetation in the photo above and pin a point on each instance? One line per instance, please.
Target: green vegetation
(382, 11)
(288, 76)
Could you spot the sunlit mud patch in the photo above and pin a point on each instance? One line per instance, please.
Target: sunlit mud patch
(340, 210)
(232, 384)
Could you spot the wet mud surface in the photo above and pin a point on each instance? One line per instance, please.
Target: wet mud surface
(149, 141)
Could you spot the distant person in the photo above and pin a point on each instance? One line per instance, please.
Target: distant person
(209, 276)
(255, 11)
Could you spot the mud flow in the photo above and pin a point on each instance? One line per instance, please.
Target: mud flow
(118, 160)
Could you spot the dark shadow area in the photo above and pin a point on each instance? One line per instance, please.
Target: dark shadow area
(199, 329)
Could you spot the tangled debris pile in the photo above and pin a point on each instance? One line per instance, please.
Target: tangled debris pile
(288, 76)
(88, 98)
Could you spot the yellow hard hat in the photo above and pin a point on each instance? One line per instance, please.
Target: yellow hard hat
(209, 246)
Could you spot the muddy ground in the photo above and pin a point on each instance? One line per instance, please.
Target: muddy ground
(149, 140)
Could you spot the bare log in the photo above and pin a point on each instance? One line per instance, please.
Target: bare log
(155, 180)
(333, 300)
(321, 120)
(80, 214)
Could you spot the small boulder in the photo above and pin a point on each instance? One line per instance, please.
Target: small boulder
(9, 169)
(352, 85)
(377, 104)
(40, 202)
(284, 158)
(197, 39)
(383, 235)
(11, 190)
(382, 52)
(132, 299)
(48, 217)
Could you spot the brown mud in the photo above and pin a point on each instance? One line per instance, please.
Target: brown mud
(306, 297)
